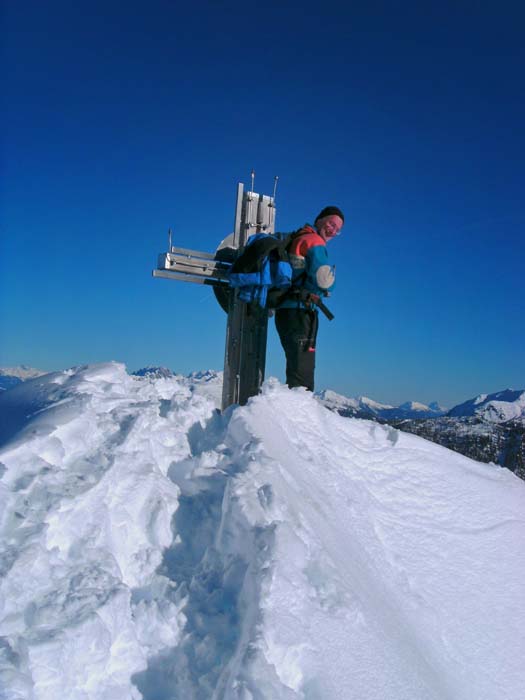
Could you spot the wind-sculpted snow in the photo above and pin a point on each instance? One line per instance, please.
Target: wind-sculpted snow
(153, 548)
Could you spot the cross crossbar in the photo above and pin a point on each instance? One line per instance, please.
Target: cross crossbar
(200, 266)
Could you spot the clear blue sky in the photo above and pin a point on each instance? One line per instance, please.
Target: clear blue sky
(120, 120)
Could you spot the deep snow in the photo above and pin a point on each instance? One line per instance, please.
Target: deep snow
(154, 548)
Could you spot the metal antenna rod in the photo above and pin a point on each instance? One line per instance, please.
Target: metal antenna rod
(169, 240)
(253, 179)
(276, 178)
(271, 206)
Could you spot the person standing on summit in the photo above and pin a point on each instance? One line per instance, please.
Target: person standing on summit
(297, 317)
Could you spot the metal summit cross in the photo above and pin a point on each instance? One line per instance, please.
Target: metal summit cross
(247, 325)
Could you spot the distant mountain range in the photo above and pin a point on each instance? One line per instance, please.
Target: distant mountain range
(363, 407)
(207, 376)
(154, 372)
(500, 407)
(488, 428)
(11, 376)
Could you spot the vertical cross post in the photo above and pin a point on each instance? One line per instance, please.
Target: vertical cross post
(247, 326)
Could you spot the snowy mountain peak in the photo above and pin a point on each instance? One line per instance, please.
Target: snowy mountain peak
(414, 406)
(374, 405)
(334, 400)
(208, 375)
(437, 407)
(499, 407)
(361, 406)
(154, 372)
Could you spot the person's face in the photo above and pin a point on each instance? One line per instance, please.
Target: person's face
(329, 226)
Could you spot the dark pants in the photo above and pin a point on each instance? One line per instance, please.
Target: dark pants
(297, 330)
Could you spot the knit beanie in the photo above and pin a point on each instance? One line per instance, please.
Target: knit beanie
(330, 211)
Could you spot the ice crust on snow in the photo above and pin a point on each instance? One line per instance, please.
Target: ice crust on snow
(154, 548)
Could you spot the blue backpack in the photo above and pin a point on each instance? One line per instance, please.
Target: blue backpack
(262, 272)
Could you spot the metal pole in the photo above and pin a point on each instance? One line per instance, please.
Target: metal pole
(247, 326)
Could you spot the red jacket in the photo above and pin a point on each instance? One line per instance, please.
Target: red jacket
(311, 268)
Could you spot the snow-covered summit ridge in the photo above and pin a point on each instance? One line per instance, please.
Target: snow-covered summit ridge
(151, 547)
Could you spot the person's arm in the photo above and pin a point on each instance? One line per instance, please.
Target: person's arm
(320, 275)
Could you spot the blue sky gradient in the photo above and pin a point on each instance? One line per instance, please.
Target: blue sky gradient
(123, 119)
